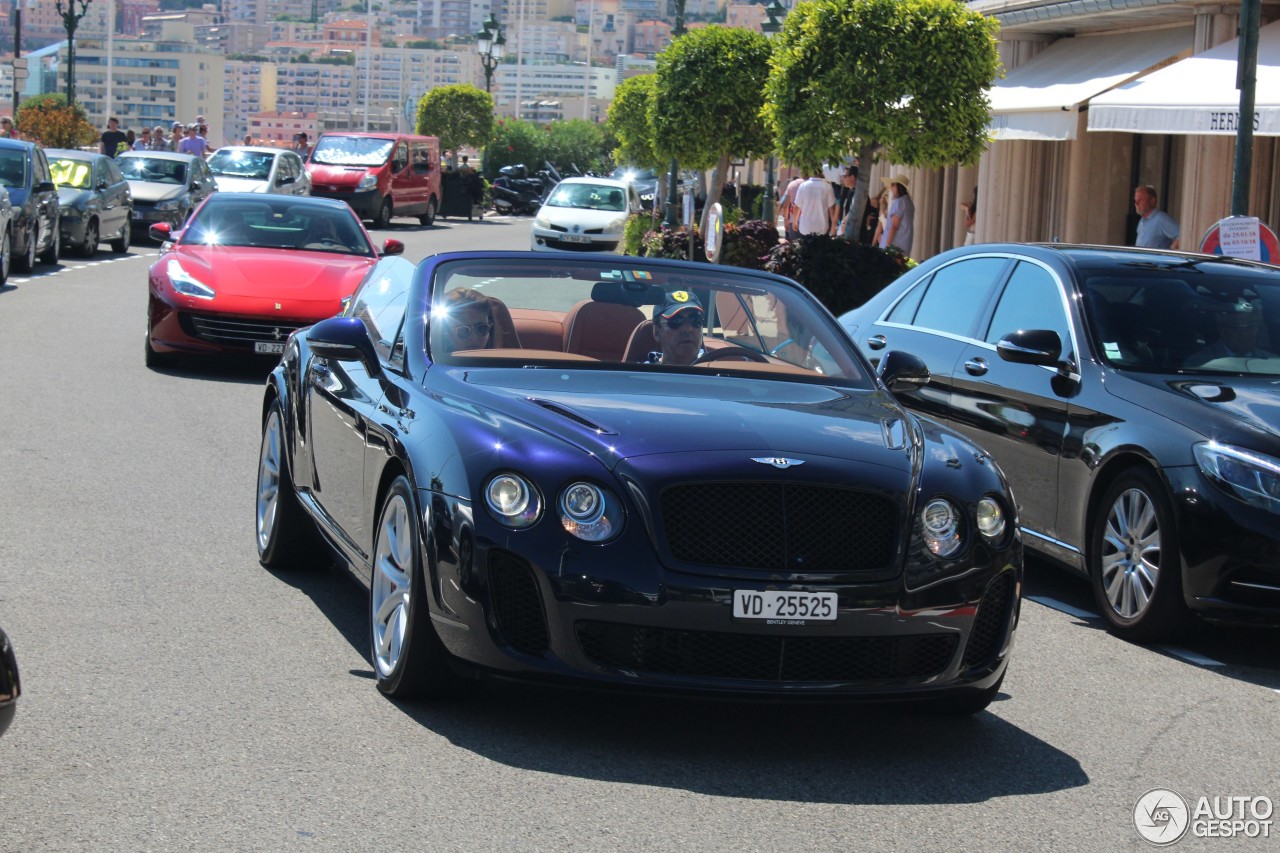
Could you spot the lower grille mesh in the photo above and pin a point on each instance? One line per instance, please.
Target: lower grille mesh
(756, 657)
(517, 606)
(990, 621)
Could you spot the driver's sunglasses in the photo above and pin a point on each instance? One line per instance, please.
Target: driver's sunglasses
(693, 318)
(463, 331)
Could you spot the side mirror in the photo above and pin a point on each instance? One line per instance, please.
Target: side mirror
(161, 231)
(1031, 346)
(46, 187)
(902, 371)
(102, 185)
(344, 339)
(392, 247)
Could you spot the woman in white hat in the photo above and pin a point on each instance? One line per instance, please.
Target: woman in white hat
(900, 220)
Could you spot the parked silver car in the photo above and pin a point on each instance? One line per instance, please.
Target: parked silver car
(253, 169)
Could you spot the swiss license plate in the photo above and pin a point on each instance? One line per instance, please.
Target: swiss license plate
(268, 347)
(784, 607)
(577, 238)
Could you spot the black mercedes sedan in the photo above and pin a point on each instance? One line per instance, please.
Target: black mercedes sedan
(1133, 399)
(637, 474)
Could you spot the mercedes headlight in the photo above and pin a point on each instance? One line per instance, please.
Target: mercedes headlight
(940, 523)
(589, 512)
(1250, 477)
(512, 499)
(185, 283)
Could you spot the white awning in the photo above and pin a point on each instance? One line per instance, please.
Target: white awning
(1197, 95)
(1039, 99)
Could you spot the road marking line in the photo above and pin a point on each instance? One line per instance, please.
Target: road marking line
(1062, 607)
(1190, 656)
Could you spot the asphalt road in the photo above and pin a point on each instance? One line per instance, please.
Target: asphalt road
(180, 697)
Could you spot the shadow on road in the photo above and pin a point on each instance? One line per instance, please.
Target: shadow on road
(818, 753)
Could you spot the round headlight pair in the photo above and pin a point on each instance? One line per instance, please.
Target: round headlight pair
(587, 511)
(941, 521)
(513, 500)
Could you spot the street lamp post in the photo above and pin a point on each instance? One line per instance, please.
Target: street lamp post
(776, 12)
(492, 44)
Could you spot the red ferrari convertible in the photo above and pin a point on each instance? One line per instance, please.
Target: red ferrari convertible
(246, 270)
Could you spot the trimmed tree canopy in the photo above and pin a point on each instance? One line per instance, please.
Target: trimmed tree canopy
(910, 75)
(629, 121)
(460, 115)
(48, 119)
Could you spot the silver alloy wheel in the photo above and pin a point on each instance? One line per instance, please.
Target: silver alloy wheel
(269, 479)
(392, 584)
(1131, 558)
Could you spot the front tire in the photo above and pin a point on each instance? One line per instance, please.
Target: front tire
(287, 537)
(408, 657)
(1134, 561)
(383, 217)
(90, 246)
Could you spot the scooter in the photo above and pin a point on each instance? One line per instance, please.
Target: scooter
(514, 192)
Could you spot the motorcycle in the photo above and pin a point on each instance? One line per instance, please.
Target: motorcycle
(514, 192)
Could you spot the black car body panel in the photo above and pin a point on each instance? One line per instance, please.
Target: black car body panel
(1120, 396)
(693, 458)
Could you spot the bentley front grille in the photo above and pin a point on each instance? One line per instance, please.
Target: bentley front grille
(791, 527)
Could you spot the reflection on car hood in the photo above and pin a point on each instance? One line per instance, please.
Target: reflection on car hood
(228, 184)
(693, 414)
(1252, 402)
(300, 279)
(571, 216)
(146, 191)
(72, 197)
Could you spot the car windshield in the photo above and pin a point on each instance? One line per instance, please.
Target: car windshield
(71, 172)
(601, 315)
(1192, 317)
(588, 196)
(627, 173)
(252, 165)
(154, 170)
(276, 224)
(352, 151)
(13, 169)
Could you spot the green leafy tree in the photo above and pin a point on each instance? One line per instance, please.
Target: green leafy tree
(49, 120)
(577, 141)
(516, 141)
(628, 120)
(907, 76)
(707, 101)
(460, 115)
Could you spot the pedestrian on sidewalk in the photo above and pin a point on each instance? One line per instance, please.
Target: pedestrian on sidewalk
(816, 207)
(900, 221)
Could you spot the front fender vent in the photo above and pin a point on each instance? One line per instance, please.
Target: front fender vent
(570, 414)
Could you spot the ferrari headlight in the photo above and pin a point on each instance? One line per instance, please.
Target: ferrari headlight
(940, 522)
(512, 500)
(185, 283)
(617, 226)
(589, 512)
(990, 517)
(171, 204)
(1250, 477)
(368, 182)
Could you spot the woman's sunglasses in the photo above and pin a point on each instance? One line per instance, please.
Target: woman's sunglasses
(693, 319)
(463, 331)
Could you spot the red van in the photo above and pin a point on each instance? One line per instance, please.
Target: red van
(380, 175)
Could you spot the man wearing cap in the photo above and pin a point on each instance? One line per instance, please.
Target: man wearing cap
(677, 327)
(1156, 229)
(901, 217)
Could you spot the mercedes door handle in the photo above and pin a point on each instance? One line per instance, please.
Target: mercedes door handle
(877, 342)
(976, 366)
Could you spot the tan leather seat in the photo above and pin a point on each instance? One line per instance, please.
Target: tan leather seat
(600, 330)
(641, 343)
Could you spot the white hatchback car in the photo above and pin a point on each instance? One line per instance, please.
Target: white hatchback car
(584, 215)
(254, 169)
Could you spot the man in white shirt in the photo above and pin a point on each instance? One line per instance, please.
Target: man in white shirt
(817, 205)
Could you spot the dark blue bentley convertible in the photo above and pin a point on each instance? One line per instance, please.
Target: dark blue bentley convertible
(635, 473)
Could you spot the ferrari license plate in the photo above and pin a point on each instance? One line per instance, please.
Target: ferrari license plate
(784, 606)
(269, 347)
(576, 238)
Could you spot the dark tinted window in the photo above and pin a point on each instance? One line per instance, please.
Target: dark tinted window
(957, 294)
(1030, 300)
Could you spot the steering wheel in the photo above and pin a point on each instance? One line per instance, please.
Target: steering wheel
(731, 351)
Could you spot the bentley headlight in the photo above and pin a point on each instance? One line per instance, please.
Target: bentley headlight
(990, 519)
(1250, 477)
(368, 182)
(589, 512)
(940, 522)
(512, 500)
(185, 283)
